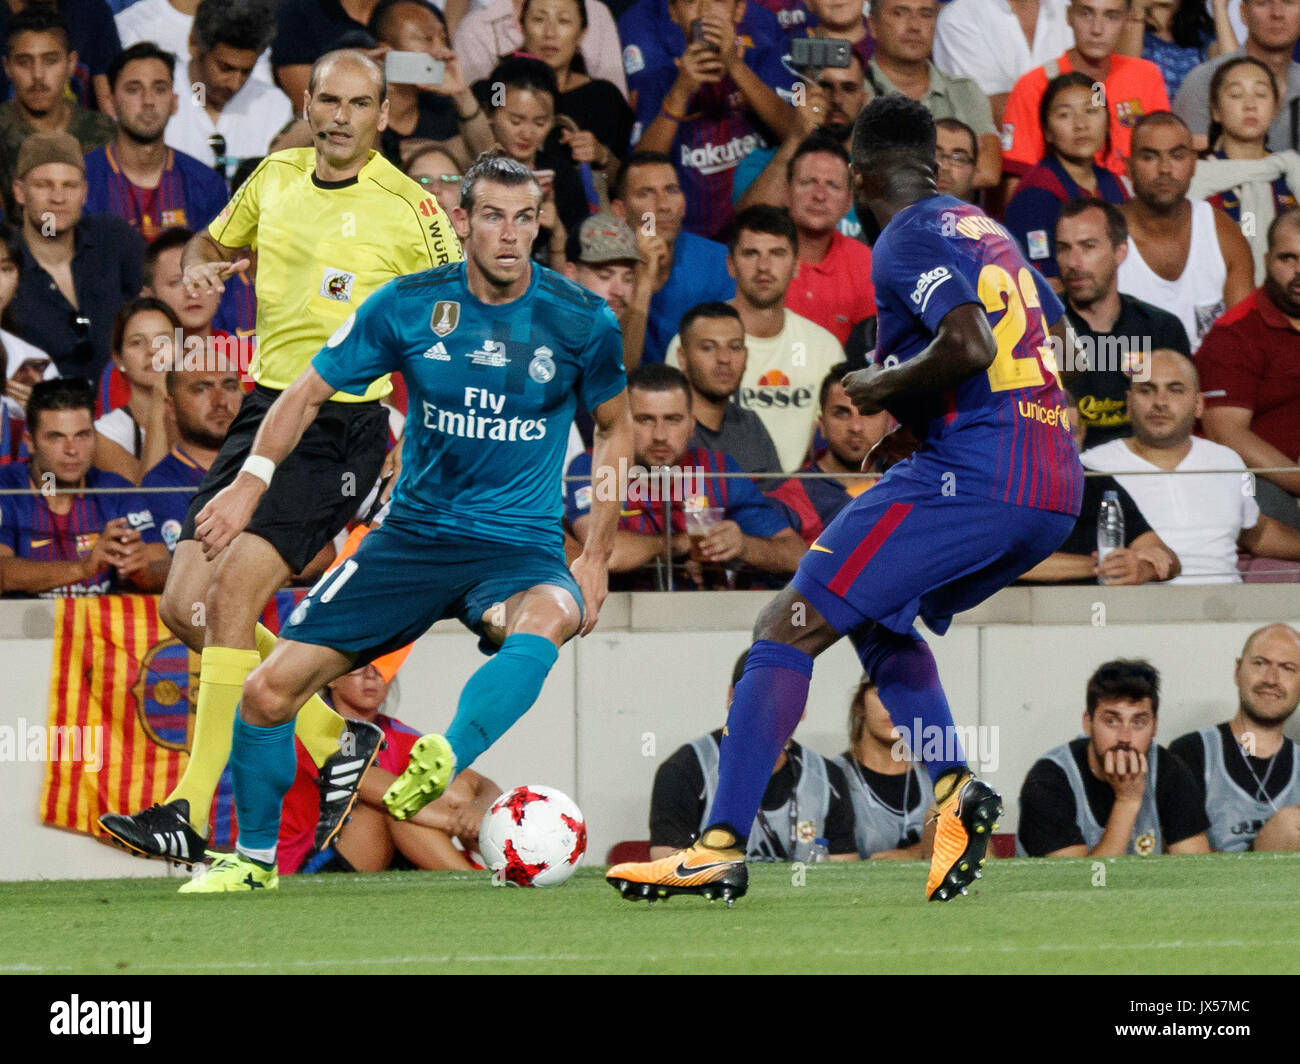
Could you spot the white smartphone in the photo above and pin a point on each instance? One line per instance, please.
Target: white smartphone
(413, 68)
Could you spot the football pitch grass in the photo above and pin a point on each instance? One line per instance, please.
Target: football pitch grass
(1197, 914)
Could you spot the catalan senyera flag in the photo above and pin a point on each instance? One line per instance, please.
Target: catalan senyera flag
(118, 668)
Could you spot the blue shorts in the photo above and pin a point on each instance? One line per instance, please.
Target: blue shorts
(396, 585)
(904, 549)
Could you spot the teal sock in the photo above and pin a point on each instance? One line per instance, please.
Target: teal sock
(498, 694)
(263, 764)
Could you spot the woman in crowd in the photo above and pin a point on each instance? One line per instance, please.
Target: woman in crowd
(520, 97)
(134, 438)
(436, 172)
(1241, 176)
(22, 364)
(601, 119)
(1075, 128)
(1176, 35)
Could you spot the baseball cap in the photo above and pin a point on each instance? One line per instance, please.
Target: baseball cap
(604, 238)
(41, 148)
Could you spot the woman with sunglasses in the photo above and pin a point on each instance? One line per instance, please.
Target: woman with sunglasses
(1075, 126)
(436, 171)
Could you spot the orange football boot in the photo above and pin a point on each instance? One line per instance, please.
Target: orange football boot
(713, 867)
(966, 818)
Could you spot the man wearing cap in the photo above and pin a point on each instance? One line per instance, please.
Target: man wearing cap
(40, 64)
(603, 257)
(76, 271)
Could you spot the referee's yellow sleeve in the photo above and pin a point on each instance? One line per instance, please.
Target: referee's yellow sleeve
(236, 225)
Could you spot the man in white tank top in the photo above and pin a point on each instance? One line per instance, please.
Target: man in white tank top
(1249, 772)
(1184, 256)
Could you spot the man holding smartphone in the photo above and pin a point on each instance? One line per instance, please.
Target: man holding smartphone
(716, 105)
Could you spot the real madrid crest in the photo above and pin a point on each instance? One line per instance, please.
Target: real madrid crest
(1145, 844)
(445, 316)
(542, 367)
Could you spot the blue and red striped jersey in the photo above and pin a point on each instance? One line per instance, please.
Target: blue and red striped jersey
(1002, 434)
(31, 530)
(189, 193)
(175, 470)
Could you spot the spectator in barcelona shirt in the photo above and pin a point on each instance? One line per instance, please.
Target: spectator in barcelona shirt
(201, 404)
(77, 271)
(688, 269)
(751, 532)
(788, 355)
(1129, 87)
(135, 175)
(810, 505)
(713, 108)
(1074, 129)
(712, 356)
(61, 540)
(39, 62)
(1241, 177)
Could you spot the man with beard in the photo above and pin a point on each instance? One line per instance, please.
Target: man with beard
(1112, 791)
(39, 63)
(713, 357)
(787, 355)
(224, 114)
(1204, 519)
(1188, 257)
(1250, 369)
(812, 504)
(1250, 770)
(136, 176)
(203, 403)
(1115, 330)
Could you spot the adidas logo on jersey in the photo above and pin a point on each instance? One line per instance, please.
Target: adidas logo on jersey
(927, 283)
(438, 352)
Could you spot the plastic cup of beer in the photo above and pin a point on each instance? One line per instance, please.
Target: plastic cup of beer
(698, 523)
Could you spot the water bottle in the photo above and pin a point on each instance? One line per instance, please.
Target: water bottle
(1110, 526)
(820, 850)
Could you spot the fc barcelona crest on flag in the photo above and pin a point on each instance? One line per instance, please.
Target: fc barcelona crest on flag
(446, 316)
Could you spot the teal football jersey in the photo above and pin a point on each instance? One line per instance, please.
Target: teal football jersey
(492, 392)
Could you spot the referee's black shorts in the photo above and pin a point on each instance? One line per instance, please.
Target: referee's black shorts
(317, 489)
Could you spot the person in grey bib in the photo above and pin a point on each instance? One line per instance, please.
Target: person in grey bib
(806, 813)
(1113, 791)
(891, 793)
(1247, 771)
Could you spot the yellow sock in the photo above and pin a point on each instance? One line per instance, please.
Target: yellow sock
(319, 727)
(221, 683)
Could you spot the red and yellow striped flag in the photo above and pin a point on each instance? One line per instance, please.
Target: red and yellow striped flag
(116, 669)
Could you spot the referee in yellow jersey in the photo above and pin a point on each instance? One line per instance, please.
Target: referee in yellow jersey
(330, 224)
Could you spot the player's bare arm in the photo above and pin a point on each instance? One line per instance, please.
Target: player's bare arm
(208, 264)
(963, 346)
(610, 458)
(230, 509)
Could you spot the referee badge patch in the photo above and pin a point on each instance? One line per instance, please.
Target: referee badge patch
(542, 367)
(337, 285)
(445, 317)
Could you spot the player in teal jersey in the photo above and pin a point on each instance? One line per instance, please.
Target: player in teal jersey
(496, 352)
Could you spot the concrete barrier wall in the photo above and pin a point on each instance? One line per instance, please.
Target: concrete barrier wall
(655, 675)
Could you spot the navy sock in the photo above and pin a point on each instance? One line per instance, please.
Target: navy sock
(907, 680)
(498, 694)
(765, 709)
(263, 764)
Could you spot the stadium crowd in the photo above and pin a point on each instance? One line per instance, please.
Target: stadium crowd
(702, 187)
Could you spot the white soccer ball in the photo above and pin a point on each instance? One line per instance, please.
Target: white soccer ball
(533, 837)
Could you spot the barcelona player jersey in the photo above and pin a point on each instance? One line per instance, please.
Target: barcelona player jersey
(1002, 434)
